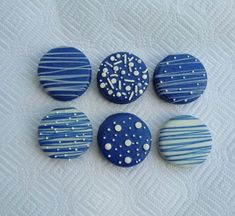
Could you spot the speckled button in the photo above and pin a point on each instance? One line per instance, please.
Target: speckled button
(185, 141)
(65, 133)
(124, 139)
(122, 77)
(64, 73)
(180, 78)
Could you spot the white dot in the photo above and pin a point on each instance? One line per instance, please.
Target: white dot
(131, 64)
(180, 67)
(118, 128)
(141, 91)
(113, 80)
(110, 92)
(102, 85)
(103, 74)
(146, 147)
(127, 142)
(136, 73)
(138, 125)
(161, 81)
(128, 88)
(119, 94)
(123, 72)
(127, 160)
(108, 146)
(109, 156)
(105, 70)
(112, 58)
(144, 76)
(115, 68)
(119, 162)
(184, 77)
(118, 55)
(191, 92)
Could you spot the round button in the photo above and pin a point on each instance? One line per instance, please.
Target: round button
(122, 77)
(65, 133)
(64, 73)
(185, 141)
(180, 79)
(129, 145)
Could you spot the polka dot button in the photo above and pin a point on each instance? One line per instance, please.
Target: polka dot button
(64, 73)
(124, 139)
(65, 133)
(122, 77)
(184, 141)
(180, 79)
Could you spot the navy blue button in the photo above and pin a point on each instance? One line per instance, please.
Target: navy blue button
(124, 139)
(122, 77)
(180, 79)
(65, 73)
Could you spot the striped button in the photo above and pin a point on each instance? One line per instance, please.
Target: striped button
(65, 73)
(65, 133)
(180, 79)
(185, 141)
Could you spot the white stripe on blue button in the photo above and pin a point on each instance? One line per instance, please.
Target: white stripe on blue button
(180, 79)
(65, 133)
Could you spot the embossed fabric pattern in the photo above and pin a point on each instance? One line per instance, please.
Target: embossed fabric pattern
(31, 183)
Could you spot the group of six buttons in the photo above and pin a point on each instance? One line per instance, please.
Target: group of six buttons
(123, 138)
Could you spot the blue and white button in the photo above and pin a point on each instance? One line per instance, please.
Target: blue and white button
(185, 141)
(64, 73)
(122, 77)
(180, 79)
(124, 139)
(65, 133)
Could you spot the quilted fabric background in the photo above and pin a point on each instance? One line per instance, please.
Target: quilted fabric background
(32, 184)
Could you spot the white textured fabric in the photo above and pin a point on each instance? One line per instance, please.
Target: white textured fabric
(32, 184)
